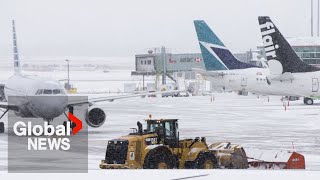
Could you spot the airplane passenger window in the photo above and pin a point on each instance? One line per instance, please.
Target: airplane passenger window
(56, 91)
(47, 91)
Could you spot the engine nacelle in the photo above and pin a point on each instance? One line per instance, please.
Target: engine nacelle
(24, 113)
(2, 96)
(95, 117)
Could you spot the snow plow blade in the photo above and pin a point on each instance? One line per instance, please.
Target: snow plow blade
(230, 156)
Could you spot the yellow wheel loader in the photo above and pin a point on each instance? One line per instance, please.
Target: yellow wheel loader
(159, 147)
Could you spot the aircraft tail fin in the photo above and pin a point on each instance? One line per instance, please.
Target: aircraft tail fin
(280, 55)
(215, 55)
(16, 59)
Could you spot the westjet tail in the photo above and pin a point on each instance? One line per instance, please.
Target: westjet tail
(223, 69)
(215, 55)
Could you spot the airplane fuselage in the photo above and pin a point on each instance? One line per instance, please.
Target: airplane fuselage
(253, 80)
(302, 84)
(35, 96)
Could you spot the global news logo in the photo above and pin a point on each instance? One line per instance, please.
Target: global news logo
(48, 137)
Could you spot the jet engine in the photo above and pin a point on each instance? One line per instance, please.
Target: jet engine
(24, 113)
(2, 96)
(95, 117)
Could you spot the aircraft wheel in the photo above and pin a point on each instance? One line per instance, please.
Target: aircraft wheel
(291, 98)
(308, 101)
(1, 127)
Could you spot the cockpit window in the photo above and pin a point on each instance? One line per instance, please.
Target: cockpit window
(50, 91)
(56, 91)
(47, 91)
(39, 92)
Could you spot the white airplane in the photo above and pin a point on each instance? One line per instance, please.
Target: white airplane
(224, 70)
(286, 67)
(34, 96)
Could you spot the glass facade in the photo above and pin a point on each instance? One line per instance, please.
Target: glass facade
(309, 54)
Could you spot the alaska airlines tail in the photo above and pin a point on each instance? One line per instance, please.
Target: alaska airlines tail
(15, 50)
(215, 55)
(280, 55)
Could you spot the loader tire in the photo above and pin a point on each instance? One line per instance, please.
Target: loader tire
(206, 161)
(203, 161)
(159, 160)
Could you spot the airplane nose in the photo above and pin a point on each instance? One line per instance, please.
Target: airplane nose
(49, 107)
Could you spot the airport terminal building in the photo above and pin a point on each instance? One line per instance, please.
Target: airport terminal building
(307, 48)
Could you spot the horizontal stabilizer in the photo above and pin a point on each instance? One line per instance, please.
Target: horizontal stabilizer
(208, 73)
(282, 77)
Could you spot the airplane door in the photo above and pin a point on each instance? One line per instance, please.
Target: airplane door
(315, 85)
(243, 81)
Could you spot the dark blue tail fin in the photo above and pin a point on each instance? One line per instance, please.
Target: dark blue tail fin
(215, 55)
(280, 55)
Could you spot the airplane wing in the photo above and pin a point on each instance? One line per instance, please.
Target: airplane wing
(208, 73)
(112, 98)
(5, 105)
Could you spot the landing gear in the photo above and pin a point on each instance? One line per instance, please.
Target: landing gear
(308, 101)
(243, 93)
(72, 124)
(49, 122)
(1, 127)
(1, 123)
(292, 98)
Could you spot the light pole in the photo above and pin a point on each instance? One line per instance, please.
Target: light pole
(311, 18)
(163, 58)
(68, 73)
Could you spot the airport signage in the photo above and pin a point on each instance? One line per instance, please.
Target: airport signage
(190, 60)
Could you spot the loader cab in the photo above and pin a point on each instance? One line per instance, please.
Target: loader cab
(166, 129)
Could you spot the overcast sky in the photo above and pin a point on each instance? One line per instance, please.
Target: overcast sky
(112, 28)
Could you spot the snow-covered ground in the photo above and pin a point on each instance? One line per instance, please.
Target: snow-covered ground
(247, 120)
